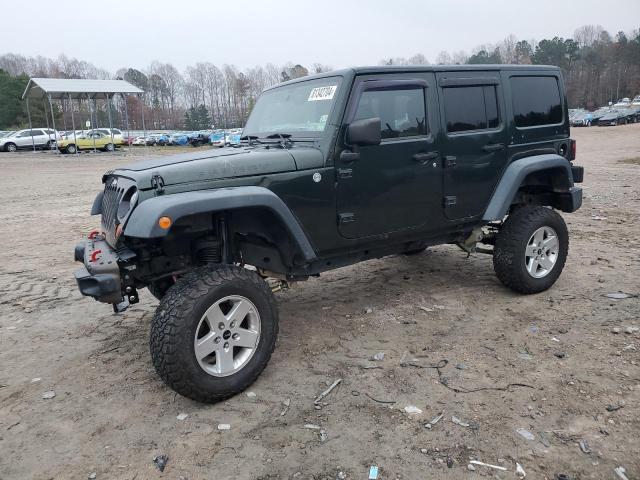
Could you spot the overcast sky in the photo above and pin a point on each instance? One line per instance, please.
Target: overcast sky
(116, 33)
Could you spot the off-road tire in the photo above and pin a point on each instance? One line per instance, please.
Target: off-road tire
(174, 325)
(510, 247)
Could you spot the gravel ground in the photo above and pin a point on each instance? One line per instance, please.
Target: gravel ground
(574, 351)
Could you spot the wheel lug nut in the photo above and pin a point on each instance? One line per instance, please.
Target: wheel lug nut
(226, 345)
(236, 336)
(216, 340)
(233, 324)
(221, 326)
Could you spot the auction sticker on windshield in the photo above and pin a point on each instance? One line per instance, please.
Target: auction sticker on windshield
(322, 93)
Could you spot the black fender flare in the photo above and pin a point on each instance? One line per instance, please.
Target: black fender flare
(513, 176)
(143, 222)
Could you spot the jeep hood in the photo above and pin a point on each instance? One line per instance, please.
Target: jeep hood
(215, 165)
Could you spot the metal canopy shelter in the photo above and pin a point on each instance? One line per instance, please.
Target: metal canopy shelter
(78, 89)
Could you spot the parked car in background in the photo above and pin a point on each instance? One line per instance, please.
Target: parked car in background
(636, 101)
(118, 137)
(624, 102)
(582, 119)
(599, 113)
(217, 139)
(631, 114)
(86, 141)
(178, 139)
(612, 118)
(25, 139)
(199, 138)
(233, 137)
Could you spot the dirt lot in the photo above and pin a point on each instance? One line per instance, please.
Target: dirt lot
(111, 415)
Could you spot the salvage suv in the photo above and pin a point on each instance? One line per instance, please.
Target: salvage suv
(333, 169)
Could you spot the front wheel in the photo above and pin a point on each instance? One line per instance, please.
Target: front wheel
(109, 147)
(213, 332)
(11, 147)
(71, 148)
(531, 249)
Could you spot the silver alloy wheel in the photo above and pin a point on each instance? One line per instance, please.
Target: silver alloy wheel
(227, 336)
(542, 252)
(11, 148)
(109, 147)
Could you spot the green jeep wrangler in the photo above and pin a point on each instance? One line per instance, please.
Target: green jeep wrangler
(333, 169)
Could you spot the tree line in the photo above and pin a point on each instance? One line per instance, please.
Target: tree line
(598, 68)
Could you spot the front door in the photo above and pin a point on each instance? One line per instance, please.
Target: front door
(396, 185)
(474, 144)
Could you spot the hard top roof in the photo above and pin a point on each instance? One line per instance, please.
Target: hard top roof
(367, 70)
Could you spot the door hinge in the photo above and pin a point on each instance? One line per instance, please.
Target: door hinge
(157, 183)
(450, 161)
(346, 218)
(345, 172)
(450, 200)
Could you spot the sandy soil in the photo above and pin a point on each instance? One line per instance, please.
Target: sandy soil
(111, 415)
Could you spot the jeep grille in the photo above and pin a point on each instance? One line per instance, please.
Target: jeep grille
(114, 189)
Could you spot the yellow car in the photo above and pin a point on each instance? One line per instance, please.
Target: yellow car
(86, 141)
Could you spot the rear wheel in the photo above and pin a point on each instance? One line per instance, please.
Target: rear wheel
(71, 148)
(213, 332)
(109, 147)
(10, 147)
(531, 249)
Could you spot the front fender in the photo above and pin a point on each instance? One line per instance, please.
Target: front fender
(513, 176)
(143, 222)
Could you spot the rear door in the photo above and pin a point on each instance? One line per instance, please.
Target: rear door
(392, 186)
(24, 140)
(474, 141)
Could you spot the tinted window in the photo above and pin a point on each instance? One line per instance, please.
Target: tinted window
(27, 133)
(402, 113)
(536, 101)
(470, 108)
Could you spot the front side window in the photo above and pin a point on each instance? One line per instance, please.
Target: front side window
(300, 109)
(402, 113)
(536, 101)
(471, 108)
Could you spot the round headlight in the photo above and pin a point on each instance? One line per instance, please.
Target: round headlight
(127, 202)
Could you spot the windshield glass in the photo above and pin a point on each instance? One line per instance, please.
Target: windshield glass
(301, 109)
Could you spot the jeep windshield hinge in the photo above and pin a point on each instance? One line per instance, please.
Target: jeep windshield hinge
(157, 183)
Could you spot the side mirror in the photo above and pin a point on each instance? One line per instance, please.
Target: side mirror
(364, 132)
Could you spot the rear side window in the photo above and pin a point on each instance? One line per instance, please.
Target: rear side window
(536, 101)
(470, 108)
(402, 113)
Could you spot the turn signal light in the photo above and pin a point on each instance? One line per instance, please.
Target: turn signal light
(164, 223)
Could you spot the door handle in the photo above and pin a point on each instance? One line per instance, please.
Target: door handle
(493, 147)
(424, 157)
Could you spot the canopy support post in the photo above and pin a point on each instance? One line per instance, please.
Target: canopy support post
(110, 123)
(126, 118)
(144, 129)
(53, 122)
(33, 143)
(73, 123)
(92, 124)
